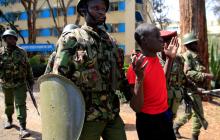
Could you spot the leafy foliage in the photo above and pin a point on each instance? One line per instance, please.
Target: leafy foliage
(7, 2)
(160, 11)
(126, 65)
(216, 7)
(215, 59)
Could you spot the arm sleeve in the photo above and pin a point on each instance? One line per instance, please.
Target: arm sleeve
(190, 70)
(195, 75)
(50, 63)
(64, 63)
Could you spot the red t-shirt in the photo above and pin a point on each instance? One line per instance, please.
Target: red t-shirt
(131, 75)
(155, 90)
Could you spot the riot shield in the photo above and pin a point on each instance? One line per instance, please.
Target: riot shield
(62, 108)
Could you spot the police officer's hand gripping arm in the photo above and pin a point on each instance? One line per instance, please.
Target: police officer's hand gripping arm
(195, 75)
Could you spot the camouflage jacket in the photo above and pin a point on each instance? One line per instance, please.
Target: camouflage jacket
(50, 63)
(177, 79)
(92, 61)
(15, 68)
(51, 59)
(193, 69)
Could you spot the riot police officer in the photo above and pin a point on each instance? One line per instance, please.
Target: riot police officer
(196, 76)
(15, 73)
(90, 58)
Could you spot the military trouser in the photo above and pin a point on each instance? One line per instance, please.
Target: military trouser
(174, 101)
(195, 120)
(108, 130)
(17, 95)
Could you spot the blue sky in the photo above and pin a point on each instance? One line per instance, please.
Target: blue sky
(173, 12)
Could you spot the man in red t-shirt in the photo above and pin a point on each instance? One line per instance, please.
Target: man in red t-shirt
(150, 92)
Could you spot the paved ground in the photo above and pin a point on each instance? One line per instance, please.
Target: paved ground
(212, 113)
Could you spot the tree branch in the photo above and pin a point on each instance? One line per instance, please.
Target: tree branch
(24, 4)
(68, 4)
(53, 16)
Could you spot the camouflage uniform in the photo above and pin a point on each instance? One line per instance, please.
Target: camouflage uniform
(92, 61)
(175, 84)
(50, 63)
(67, 29)
(193, 70)
(15, 72)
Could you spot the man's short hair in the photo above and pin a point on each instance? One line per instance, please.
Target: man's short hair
(144, 29)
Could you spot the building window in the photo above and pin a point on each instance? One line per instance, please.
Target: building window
(24, 33)
(2, 19)
(112, 28)
(23, 16)
(54, 31)
(122, 46)
(44, 32)
(138, 16)
(71, 11)
(121, 6)
(121, 27)
(59, 12)
(109, 28)
(6, 2)
(10, 16)
(139, 1)
(113, 6)
(44, 13)
(116, 28)
(55, 12)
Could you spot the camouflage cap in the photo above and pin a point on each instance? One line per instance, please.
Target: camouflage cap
(10, 32)
(189, 38)
(82, 5)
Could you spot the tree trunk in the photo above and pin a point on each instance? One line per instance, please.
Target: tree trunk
(29, 22)
(30, 8)
(54, 18)
(34, 17)
(193, 19)
(64, 9)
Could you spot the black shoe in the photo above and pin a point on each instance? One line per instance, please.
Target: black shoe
(24, 133)
(8, 125)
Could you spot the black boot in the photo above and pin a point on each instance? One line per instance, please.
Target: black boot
(8, 123)
(176, 130)
(195, 137)
(23, 132)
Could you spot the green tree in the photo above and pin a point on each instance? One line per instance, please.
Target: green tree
(215, 7)
(193, 19)
(10, 18)
(160, 11)
(30, 7)
(63, 6)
